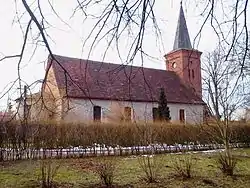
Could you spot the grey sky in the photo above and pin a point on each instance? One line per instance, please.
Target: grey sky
(67, 40)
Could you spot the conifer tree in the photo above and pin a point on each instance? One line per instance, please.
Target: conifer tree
(163, 109)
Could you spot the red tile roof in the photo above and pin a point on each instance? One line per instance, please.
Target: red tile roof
(107, 81)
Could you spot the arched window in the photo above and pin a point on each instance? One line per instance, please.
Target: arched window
(174, 65)
(193, 73)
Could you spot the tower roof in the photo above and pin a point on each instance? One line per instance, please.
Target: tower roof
(182, 40)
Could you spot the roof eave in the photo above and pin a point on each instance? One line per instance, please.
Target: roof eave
(137, 100)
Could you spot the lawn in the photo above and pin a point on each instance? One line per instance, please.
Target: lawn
(128, 173)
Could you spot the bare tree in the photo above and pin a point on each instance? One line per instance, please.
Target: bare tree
(225, 93)
(118, 18)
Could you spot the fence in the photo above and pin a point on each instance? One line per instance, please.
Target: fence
(99, 150)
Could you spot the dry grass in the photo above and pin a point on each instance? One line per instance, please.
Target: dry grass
(79, 173)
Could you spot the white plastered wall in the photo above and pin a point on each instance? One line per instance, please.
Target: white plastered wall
(81, 110)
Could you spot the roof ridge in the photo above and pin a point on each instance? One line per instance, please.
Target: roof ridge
(110, 63)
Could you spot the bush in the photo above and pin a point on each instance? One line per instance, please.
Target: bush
(48, 171)
(184, 166)
(150, 167)
(227, 163)
(105, 171)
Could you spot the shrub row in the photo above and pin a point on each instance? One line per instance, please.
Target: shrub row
(49, 135)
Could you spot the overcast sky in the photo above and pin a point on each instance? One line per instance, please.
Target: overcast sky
(67, 40)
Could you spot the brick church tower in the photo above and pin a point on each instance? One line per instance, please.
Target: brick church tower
(183, 59)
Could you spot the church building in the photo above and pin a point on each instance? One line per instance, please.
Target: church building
(79, 90)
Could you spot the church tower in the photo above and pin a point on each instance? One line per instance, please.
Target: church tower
(183, 59)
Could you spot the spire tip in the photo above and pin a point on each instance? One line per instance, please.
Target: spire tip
(182, 40)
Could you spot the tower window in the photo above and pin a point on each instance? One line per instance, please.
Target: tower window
(189, 73)
(174, 65)
(97, 113)
(193, 73)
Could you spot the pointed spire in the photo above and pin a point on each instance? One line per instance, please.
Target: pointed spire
(182, 40)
